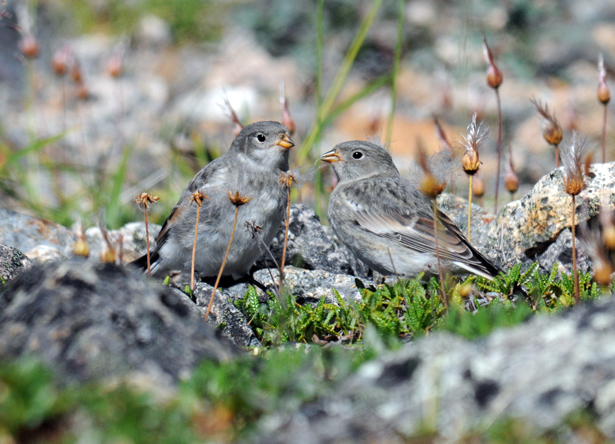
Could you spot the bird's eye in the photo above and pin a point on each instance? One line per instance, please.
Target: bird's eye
(261, 137)
(357, 155)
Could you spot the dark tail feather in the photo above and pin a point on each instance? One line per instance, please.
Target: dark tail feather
(141, 262)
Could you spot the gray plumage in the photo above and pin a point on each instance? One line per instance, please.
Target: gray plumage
(252, 167)
(388, 223)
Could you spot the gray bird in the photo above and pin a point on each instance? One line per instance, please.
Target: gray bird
(388, 223)
(251, 167)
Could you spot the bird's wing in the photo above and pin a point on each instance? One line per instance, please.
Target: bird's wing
(213, 175)
(404, 217)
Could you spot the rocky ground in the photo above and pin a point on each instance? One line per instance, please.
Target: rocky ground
(163, 116)
(94, 321)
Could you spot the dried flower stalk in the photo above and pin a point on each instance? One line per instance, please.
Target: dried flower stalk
(237, 200)
(574, 159)
(470, 160)
(494, 80)
(143, 202)
(197, 198)
(604, 96)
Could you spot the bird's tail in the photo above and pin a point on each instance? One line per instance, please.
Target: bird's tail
(140, 263)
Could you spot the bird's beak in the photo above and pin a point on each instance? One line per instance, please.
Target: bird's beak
(330, 157)
(285, 142)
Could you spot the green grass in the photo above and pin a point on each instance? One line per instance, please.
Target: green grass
(413, 308)
(220, 402)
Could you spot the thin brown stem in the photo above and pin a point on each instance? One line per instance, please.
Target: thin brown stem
(604, 135)
(557, 156)
(470, 211)
(435, 231)
(211, 299)
(285, 241)
(196, 233)
(149, 269)
(497, 179)
(574, 255)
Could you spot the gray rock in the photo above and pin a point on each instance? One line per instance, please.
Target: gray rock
(89, 321)
(26, 233)
(12, 262)
(311, 246)
(223, 315)
(560, 251)
(528, 226)
(131, 236)
(540, 372)
(312, 285)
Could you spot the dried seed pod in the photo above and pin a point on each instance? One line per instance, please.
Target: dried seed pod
(81, 248)
(494, 75)
(430, 185)
(75, 72)
(604, 94)
(59, 62)
(470, 162)
(478, 186)
(471, 142)
(551, 129)
(573, 158)
(511, 180)
(28, 46)
(287, 120)
(608, 234)
(115, 65)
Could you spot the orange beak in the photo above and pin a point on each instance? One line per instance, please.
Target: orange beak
(285, 142)
(330, 157)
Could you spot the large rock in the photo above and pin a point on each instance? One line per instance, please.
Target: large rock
(224, 315)
(27, 233)
(526, 227)
(309, 286)
(89, 320)
(311, 246)
(12, 262)
(131, 237)
(540, 372)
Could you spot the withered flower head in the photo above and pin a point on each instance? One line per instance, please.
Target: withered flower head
(107, 255)
(237, 199)
(60, 60)
(81, 247)
(198, 197)
(75, 71)
(511, 180)
(606, 221)
(431, 185)
(287, 120)
(551, 129)
(471, 143)
(595, 246)
(573, 158)
(115, 64)
(494, 75)
(28, 45)
(287, 178)
(144, 200)
(604, 94)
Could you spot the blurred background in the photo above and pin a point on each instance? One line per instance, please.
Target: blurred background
(105, 99)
